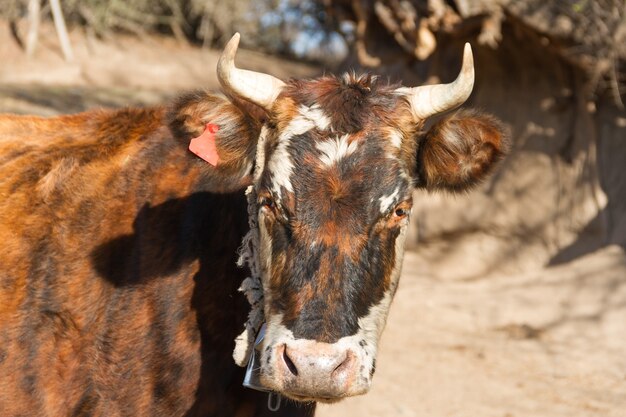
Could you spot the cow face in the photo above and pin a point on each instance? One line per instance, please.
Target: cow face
(336, 163)
(334, 201)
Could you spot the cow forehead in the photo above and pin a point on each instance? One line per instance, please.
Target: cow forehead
(336, 135)
(325, 170)
(345, 104)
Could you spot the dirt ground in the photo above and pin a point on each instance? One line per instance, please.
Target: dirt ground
(537, 341)
(546, 343)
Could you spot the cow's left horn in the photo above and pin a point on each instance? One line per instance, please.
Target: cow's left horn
(261, 89)
(428, 100)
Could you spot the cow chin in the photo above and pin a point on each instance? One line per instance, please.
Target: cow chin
(308, 370)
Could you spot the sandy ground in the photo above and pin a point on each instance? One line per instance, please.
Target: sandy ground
(545, 342)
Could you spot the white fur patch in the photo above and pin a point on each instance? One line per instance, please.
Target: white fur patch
(281, 167)
(297, 126)
(334, 149)
(387, 201)
(260, 155)
(281, 163)
(395, 137)
(316, 115)
(309, 118)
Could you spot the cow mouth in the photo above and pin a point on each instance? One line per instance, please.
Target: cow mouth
(304, 396)
(321, 395)
(309, 399)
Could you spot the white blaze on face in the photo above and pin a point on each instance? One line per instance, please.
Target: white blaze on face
(387, 201)
(281, 167)
(281, 163)
(316, 115)
(334, 150)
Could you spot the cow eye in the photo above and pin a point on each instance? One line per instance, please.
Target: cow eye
(401, 212)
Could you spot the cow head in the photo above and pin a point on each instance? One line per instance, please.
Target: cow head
(337, 161)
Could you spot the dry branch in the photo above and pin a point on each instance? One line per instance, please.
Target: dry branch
(59, 23)
(34, 18)
(589, 34)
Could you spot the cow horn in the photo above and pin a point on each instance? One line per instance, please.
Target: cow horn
(261, 89)
(432, 99)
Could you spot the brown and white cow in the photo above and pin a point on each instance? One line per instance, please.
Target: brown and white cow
(118, 284)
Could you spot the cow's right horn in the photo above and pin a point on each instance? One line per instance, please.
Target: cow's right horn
(428, 100)
(261, 89)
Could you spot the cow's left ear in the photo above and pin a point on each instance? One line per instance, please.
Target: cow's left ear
(219, 134)
(459, 151)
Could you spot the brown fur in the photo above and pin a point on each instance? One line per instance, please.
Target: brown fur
(118, 285)
(460, 151)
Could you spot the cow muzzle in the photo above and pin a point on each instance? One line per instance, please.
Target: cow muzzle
(306, 370)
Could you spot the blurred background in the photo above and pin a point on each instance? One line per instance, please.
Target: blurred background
(513, 296)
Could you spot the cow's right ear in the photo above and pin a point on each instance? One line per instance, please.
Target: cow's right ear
(460, 151)
(227, 134)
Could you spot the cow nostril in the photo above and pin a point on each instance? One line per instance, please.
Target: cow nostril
(290, 365)
(345, 363)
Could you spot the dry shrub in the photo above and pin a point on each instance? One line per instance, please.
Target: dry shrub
(198, 20)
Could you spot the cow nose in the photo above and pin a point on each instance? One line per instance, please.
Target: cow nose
(317, 370)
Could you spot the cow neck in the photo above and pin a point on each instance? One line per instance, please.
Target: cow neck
(252, 287)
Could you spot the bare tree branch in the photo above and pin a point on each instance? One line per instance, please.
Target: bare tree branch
(59, 23)
(34, 18)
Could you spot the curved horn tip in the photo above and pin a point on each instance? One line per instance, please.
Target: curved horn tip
(231, 46)
(256, 87)
(468, 57)
(428, 100)
(235, 40)
(467, 49)
(226, 61)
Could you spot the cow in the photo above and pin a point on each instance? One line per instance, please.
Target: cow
(118, 277)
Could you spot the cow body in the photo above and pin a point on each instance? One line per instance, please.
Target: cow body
(118, 285)
(118, 282)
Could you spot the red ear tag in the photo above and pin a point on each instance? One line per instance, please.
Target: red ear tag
(204, 145)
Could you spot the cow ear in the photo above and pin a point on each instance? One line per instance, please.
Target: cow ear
(224, 137)
(460, 151)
